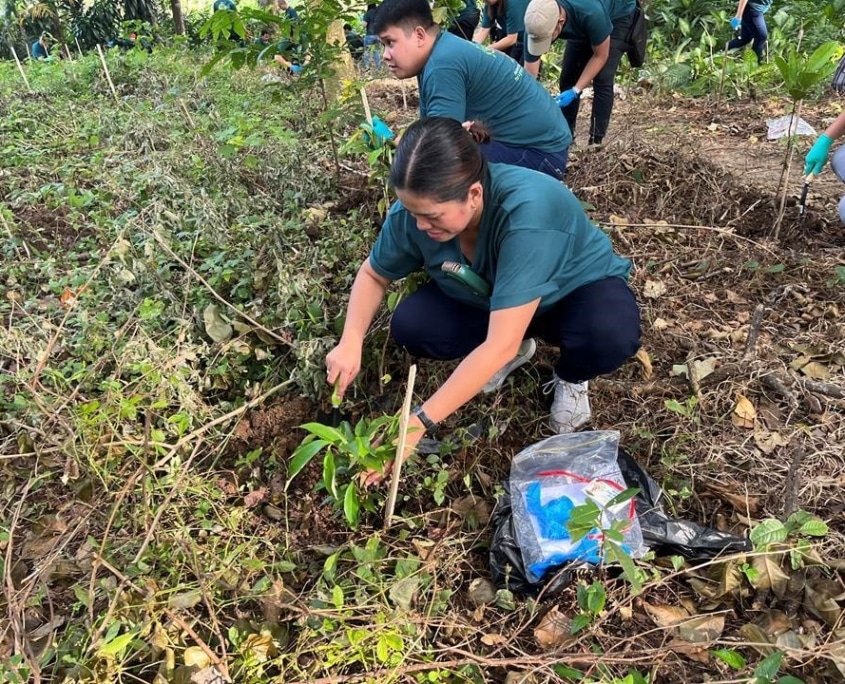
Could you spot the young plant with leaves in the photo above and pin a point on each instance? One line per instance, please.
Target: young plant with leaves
(589, 517)
(351, 459)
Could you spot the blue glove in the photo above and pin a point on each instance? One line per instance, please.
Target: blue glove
(295, 68)
(567, 97)
(736, 23)
(378, 135)
(817, 156)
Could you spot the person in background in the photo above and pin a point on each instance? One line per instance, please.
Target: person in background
(354, 42)
(596, 34)
(510, 15)
(465, 23)
(474, 85)
(263, 38)
(224, 5)
(372, 53)
(751, 23)
(817, 157)
(551, 273)
(41, 48)
(288, 11)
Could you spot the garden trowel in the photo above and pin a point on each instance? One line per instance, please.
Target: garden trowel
(802, 203)
(333, 418)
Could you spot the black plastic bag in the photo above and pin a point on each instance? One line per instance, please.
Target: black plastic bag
(664, 535)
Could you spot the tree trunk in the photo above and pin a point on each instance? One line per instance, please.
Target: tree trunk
(178, 19)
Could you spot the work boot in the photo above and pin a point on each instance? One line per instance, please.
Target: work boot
(571, 405)
(526, 350)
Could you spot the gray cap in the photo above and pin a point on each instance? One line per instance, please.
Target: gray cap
(838, 163)
(842, 210)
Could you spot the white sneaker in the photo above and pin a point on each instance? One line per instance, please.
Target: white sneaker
(526, 350)
(571, 405)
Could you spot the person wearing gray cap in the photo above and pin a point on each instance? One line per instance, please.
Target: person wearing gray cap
(818, 155)
(596, 34)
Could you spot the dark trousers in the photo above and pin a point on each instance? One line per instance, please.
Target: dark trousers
(753, 29)
(465, 27)
(551, 163)
(575, 58)
(596, 327)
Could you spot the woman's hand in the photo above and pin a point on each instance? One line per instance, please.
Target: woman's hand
(343, 363)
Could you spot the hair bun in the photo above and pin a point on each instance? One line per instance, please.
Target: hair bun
(479, 132)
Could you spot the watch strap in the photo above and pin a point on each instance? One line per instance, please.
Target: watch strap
(429, 425)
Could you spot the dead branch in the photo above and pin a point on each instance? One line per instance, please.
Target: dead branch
(754, 330)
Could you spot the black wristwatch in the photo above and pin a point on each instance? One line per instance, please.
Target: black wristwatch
(429, 425)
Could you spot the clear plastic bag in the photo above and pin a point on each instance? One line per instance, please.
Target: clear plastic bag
(552, 477)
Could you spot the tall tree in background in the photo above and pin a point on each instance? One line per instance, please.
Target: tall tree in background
(178, 19)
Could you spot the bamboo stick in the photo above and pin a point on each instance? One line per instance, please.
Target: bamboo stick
(108, 75)
(400, 447)
(20, 68)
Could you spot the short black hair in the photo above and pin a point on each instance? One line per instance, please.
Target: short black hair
(406, 14)
(347, 27)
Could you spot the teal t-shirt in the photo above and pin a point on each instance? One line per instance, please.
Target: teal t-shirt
(469, 10)
(514, 16)
(589, 20)
(761, 6)
(466, 81)
(534, 241)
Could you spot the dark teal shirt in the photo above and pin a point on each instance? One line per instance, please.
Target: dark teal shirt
(761, 6)
(590, 20)
(469, 82)
(39, 51)
(469, 10)
(534, 241)
(513, 20)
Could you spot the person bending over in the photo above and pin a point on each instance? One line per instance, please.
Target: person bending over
(596, 34)
(538, 266)
(471, 83)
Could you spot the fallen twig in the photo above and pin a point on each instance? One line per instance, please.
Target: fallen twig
(754, 330)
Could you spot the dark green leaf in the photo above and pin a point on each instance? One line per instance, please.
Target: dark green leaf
(302, 457)
(769, 531)
(582, 519)
(768, 668)
(579, 622)
(731, 658)
(622, 497)
(568, 672)
(330, 474)
(325, 432)
(351, 505)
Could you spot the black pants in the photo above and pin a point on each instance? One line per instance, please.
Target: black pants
(596, 327)
(753, 29)
(575, 58)
(465, 27)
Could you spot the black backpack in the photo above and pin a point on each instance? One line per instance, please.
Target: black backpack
(637, 38)
(838, 82)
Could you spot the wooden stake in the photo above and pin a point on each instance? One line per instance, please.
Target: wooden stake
(404, 94)
(366, 102)
(20, 68)
(400, 447)
(78, 47)
(108, 75)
